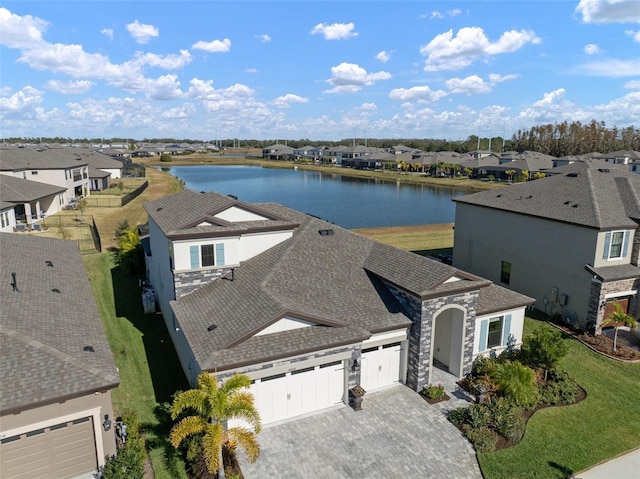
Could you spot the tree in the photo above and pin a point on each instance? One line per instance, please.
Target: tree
(129, 253)
(214, 404)
(468, 172)
(544, 349)
(510, 174)
(618, 317)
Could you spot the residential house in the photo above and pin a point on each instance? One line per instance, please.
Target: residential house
(308, 309)
(278, 152)
(569, 240)
(57, 371)
(25, 202)
(623, 157)
(54, 166)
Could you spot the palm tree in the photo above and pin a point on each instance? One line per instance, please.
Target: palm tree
(510, 174)
(618, 318)
(214, 405)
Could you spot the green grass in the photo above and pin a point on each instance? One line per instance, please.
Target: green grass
(562, 441)
(149, 369)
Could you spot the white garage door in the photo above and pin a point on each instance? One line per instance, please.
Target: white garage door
(64, 450)
(299, 392)
(380, 366)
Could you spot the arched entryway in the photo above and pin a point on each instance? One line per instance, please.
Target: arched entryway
(447, 341)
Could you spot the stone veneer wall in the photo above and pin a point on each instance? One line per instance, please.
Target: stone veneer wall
(599, 291)
(420, 334)
(635, 250)
(189, 281)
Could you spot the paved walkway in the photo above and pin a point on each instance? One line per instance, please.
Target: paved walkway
(396, 434)
(626, 466)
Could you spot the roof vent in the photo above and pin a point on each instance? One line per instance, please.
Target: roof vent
(499, 196)
(211, 327)
(49, 263)
(572, 175)
(55, 290)
(89, 349)
(529, 197)
(159, 209)
(567, 202)
(604, 170)
(14, 283)
(327, 232)
(575, 206)
(233, 196)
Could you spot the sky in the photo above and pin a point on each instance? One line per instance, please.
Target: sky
(318, 70)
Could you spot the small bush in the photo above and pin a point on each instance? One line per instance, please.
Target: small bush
(482, 438)
(559, 389)
(458, 415)
(433, 392)
(479, 416)
(544, 349)
(516, 382)
(514, 429)
(129, 463)
(165, 158)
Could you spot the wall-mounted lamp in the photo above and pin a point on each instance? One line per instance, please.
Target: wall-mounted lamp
(603, 303)
(107, 422)
(354, 365)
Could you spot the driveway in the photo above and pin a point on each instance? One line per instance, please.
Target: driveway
(396, 434)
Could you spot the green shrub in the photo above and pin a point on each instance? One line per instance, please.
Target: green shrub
(479, 416)
(544, 349)
(513, 430)
(129, 462)
(433, 391)
(482, 438)
(458, 415)
(517, 382)
(559, 389)
(165, 158)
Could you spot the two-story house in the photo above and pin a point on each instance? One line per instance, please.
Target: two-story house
(308, 309)
(570, 240)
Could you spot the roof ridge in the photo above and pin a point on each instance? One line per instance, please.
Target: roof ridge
(594, 200)
(64, 357)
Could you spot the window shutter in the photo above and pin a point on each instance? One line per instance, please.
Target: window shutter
(506, 330)
(607, 242)
(625, 245)
(220, 254)
(195, 256)
(484, 331)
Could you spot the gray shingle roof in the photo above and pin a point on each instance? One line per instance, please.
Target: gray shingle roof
(334, 280)
(180, 213)
(615, 273)
(495, 298)
(17, 190)
(590, 194)
(13, 158)
(52, 338)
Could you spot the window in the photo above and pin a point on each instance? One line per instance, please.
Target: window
(494, 335)
(616, 244)
(505, 273)
(206, 255)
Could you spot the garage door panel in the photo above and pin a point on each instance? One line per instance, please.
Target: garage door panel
(380, 366)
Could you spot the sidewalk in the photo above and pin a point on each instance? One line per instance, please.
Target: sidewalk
(626, 466)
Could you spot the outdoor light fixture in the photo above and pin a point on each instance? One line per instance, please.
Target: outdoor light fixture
(354, 365)
(603, 303)
(107, 422)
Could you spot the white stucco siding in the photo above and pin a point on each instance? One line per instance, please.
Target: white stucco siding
(512, 324)
(182, 251)
(285, 324)
(160, 274)
(115, 172)
(253, 244)
(51, 177)
(235, 214)
(547, 258)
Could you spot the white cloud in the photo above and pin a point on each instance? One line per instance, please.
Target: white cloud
(21, 101)
(178, 113)
(613, 68)
(591, 49)
(350, 78)
(609, 11)
(417, 93)
(383, 56)
(251, 70)
(634, 35)
(369, 106)
(107, 32)
(285, 100)
(446, 52)
(454, 13)
(142, 33)
(495, 78)
(70, 87)
(632, 85)
(215, 46)
(436, 14)
(264, 38)
(167, 62)
(335, 31)
(469, 85)
(164, 88)
(21, 32)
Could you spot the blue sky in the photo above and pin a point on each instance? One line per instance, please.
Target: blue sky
(323, 70)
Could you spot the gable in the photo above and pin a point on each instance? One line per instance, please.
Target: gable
(235, 214)
(286, 324)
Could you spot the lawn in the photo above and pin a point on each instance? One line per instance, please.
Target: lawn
(149, 369)
(562, 441)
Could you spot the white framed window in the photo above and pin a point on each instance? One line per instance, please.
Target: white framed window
(616, 245)
(206, 255)
(494, 332)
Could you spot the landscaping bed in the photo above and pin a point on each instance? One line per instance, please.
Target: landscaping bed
(604, 344)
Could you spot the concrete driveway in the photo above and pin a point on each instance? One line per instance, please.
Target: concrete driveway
(396, 434)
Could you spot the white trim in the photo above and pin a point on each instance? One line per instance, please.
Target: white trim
(385, 338)
(97, 425)
(289, 366)
(619, 294)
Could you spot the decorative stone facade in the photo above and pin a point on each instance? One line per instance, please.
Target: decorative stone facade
(598, 296)
(189, 281)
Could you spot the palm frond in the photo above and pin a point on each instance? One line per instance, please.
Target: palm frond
(236, 382)
(212, 446)
(186, 427)
(246, 440)
(192, 399)
(241, 406)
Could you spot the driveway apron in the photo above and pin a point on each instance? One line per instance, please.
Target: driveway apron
(396, 434)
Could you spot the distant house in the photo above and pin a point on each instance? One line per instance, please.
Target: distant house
(57, 371)
(278, 152)
(569, 240)
(26, 202)
(308, 309)
(623, 157)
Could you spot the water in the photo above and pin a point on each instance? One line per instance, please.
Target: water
(346, 201)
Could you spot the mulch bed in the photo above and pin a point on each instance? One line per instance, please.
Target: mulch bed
(436, 400)
(604, 344)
